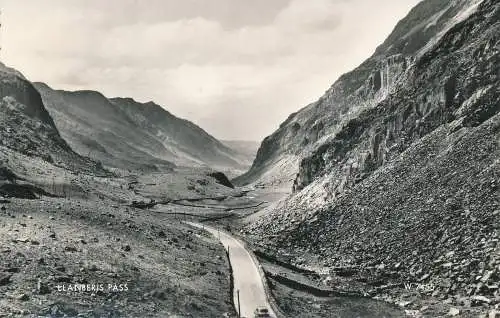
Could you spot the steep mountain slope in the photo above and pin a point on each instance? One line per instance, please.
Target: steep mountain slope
(186, 140)
(27, 128)
(406, 190)
(124, 133)
(278, 157)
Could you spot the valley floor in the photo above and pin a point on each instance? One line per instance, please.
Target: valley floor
(150, 263)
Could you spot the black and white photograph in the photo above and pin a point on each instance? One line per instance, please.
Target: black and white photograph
(250, 158)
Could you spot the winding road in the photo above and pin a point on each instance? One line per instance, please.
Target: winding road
(246, 274)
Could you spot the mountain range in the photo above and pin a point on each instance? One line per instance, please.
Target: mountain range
(124, 133)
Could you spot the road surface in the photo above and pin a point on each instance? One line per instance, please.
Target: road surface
(246, 274)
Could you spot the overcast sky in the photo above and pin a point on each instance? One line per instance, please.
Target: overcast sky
(237, 68)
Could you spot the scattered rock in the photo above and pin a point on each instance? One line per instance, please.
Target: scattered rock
(486, 277)
(404, 304)
(494, 314)
(481, 299)
(60, 269)
(5, 279)
(13, 270)
(42, 288)
(159, 294)
(93, 268)
(143, 205)
(64, 279)
(454, 312)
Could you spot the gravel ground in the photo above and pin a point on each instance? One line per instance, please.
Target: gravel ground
(147, 264)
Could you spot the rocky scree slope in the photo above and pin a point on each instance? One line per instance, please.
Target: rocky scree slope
(279, 155)
(127, 134)
(408, 190)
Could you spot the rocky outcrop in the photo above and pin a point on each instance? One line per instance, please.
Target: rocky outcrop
(363, 88)
(453, 84)
(15, 87)
(221, 178)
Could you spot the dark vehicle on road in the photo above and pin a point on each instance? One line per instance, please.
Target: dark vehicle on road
(261, 312)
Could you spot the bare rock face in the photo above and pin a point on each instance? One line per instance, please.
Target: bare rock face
(401, 182)
(454, 85)
(305, 131)
(23, 112)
